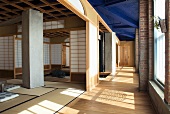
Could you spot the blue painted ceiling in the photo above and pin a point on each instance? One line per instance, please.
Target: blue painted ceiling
(122, 16)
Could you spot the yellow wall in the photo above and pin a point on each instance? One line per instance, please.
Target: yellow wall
(58, 40)
(73, 22)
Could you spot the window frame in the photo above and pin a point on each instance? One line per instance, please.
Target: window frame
(157, 81)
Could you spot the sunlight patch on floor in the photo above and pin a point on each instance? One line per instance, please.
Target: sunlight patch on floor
(44, 107)
(91, 94)
(25, 112)
(123, 79)
(72, 92)
(125, 69)
(40, 110)
(50, 105)
(117, 98)
(124, 74)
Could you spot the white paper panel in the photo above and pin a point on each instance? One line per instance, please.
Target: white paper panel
(78, 51)
(46, 54)
(67, 56)
(19, 36)
(73, 32)
(19, 28)
(6, 53)
(53, 24)
(82, 70)
(46, 39)
(18, 53)
(56, 50)
(77, 4)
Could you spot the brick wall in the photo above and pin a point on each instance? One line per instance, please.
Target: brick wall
(143, 45)
(167, 54)
(151, 40)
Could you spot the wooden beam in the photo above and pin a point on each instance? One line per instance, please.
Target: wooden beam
(8, 30)
(40, 9)
(44, 1)
(11, 21)
(104, 24)
(63, 29)
(13, 4)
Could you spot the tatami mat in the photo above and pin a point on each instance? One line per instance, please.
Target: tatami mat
(15, 101)
(48, 103)
(65, 85)
(36, 91)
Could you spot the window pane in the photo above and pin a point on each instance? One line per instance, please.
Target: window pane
(159, 43)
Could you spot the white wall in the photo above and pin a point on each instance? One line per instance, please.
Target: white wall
(93, 55)
(92, 71)
(77, 4)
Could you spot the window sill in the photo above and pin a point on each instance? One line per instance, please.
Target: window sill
(157, 97)
(157, 89)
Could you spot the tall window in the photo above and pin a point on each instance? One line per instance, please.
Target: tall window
(159, 43)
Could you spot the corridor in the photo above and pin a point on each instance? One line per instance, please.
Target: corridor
(114, 95)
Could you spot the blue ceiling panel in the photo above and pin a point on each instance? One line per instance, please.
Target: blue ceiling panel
(122, 16)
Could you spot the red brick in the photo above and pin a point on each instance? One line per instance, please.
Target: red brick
(143, 45)
(167, 55)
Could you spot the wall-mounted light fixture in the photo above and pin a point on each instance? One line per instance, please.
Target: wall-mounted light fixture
(162, 23)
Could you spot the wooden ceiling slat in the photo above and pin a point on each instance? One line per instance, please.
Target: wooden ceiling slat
(9, 10)
(7, 15)
(13, 4)
(42, 10)
(52, 7)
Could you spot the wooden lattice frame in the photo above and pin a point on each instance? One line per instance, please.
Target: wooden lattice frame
(52, 10)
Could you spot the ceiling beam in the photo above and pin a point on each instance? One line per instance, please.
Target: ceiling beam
(63, 29)
(130, 35)
(11, 21)
(113, 13)
(114, 2)
(122, 26)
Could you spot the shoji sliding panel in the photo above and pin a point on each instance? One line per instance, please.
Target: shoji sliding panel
(6, 56)
(67, 54)
(6, 53)
(53, 24)
(18, 53)
(46, 51)
(56, 51)
(78, 55)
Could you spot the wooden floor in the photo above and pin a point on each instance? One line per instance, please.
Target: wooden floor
(114, 95)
